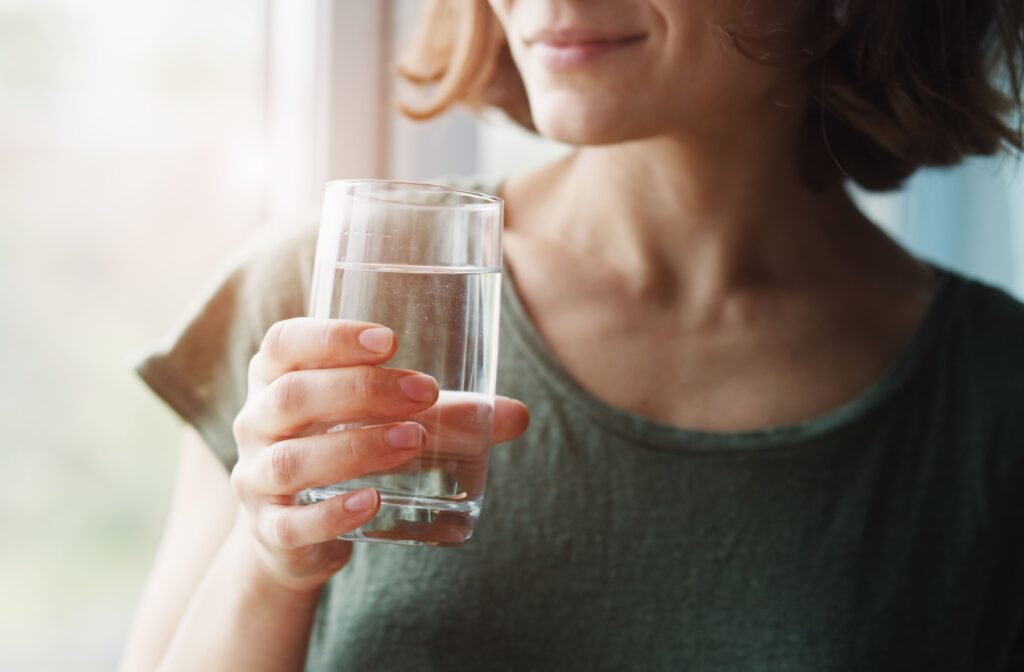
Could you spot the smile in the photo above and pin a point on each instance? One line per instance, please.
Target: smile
(563, 50)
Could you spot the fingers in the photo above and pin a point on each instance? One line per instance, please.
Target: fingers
(511, 418)
(466, 420)
(310, 343)
(461, 419)
(290, 527)
(287, 467)
(300, 399)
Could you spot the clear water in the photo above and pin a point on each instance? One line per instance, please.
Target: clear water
(446, 321)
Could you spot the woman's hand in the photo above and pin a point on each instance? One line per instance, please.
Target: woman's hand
(309, 375)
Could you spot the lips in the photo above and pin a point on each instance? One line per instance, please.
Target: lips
(570, 48)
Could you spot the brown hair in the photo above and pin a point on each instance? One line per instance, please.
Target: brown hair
(896, 85)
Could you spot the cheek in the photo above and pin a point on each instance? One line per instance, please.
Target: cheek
(700, 77)
(699, 68)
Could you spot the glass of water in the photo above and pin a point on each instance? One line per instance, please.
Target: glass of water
(424, 260)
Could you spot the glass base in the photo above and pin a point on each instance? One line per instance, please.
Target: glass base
(410, 521)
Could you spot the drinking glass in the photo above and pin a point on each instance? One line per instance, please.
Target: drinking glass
(424, 260)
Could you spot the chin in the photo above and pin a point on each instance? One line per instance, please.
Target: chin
(575, 120)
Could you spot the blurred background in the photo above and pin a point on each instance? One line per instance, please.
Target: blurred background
(141, 142)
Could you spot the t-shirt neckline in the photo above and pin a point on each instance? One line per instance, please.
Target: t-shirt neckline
(639, 428)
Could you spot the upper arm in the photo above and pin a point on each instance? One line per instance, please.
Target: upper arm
(202, 512)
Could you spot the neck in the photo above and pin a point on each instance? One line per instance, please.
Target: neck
(700, 215)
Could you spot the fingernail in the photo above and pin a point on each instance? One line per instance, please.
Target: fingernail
(418, 387)
(362, 500)
(406, 435)
(376, 339)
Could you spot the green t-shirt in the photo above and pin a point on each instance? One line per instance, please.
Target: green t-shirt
(887, 534)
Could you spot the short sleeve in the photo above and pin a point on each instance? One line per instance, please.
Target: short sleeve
(201, 369)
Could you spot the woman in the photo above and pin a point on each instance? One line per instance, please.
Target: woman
(764, 435)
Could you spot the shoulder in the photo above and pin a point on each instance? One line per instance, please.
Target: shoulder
(995, 308)
(276, 254)
(265, 281)
(271, 275)
(985, 353)
(200, 368)
(989, 332)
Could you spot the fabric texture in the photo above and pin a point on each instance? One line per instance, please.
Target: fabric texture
(887, 534)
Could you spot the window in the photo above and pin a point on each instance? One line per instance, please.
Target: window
(131, 161)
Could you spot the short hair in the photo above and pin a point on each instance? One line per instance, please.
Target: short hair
(894, 86)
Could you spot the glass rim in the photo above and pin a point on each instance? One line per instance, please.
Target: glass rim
(489, 201)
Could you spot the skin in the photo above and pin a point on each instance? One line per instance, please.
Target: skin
(702, 243)
(679, 227)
